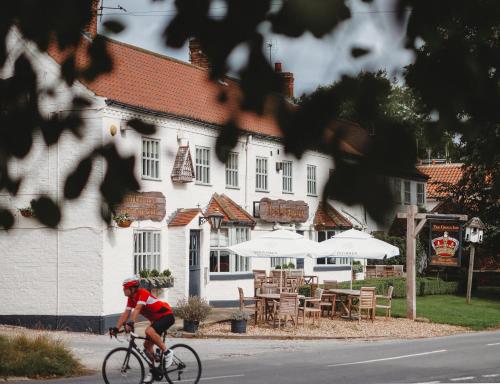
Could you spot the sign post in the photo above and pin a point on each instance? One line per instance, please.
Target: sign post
(471, 269)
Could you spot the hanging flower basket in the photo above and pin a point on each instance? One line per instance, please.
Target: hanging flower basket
(27, 212)
(123, 221)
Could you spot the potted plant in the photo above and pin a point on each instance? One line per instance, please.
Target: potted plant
(239, 322)
(192, 311)
(123, 220)
(357, 270)
(155, 280)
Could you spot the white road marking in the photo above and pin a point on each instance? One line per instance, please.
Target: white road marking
(491, 375)
(220, 377)
(430, 382)
(493, 344)
(389, 358)
(463, 378)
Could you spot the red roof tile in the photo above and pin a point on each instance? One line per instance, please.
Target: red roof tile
(183, 217)
(141, 78)
(327, 217)
(232, 212)
(440, 173)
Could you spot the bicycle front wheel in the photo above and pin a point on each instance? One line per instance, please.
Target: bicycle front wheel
(186, 365)
(122, 366)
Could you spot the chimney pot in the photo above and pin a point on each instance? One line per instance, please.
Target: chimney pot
(277, 67)
(196, 55)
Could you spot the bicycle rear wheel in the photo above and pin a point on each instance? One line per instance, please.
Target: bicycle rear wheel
(186, 365)
(121, 366)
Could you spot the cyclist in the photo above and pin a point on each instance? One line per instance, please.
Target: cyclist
(159, 313)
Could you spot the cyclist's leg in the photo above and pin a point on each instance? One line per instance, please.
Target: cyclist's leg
(155, 330)
(148, 346)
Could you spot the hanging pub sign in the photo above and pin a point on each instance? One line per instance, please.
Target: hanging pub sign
(143, 206)
(445, 243)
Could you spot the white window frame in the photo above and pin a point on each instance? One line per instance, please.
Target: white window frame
(261, 174)
(397, 190)
(287, 182)
(421, 194)
(312, 189)
(232, 170)
(150, 159)
(147, 250)
(407, 191)
(237, 264)
(202, 162)
(324, 261)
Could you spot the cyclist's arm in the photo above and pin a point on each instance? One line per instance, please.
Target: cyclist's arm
(123, 318)
(135, 313)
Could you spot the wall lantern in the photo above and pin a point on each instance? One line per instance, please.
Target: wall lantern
(474, 230)
(214, 218)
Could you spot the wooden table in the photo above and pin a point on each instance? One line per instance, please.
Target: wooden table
(349, 294)
(272, 296)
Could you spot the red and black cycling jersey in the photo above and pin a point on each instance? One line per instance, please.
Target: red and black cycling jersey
(153, 308)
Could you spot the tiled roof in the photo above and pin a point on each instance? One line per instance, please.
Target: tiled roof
(232, 212)
(183, 216)
(327, 217)
(144, 79)
(183, 170)
(440, 173)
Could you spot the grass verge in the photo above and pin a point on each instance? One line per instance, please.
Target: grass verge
(36, 356)
(482, 313)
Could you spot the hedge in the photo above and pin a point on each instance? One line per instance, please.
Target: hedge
(425, 286)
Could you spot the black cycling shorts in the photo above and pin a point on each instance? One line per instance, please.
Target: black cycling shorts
(161, 325)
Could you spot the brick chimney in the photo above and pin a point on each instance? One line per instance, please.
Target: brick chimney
(91, 29)
(287, 80)
(196, 55)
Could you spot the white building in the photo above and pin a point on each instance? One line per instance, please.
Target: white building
(71, 277)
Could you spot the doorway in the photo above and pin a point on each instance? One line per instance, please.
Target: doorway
(194, 262)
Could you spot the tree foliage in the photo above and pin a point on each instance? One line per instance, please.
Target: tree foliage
(455, 76)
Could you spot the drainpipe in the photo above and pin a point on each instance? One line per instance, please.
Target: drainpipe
(249, 141)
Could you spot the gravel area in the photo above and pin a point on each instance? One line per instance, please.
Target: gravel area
(339, 328)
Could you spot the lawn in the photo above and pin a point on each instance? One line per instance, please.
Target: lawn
(482, 313)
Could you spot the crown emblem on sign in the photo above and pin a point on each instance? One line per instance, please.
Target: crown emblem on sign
(445, 246)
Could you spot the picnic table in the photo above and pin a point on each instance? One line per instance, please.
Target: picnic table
(349, 295)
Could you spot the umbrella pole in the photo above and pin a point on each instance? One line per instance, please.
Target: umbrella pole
(351, 273)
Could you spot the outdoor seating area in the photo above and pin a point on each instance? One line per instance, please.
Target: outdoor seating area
(279, 300)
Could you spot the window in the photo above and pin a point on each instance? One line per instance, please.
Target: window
(146, 250)
(261, 174)
(202, 165)
(397, 190)
(420, 194)
(221, 260)
(287, 176)
(325, 235)
(407, 192)
(332, 261)
(311, 180)
(232, 170)
(275, 261)
(150, 158)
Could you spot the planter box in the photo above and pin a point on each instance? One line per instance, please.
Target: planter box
(157, 282)
(238, 326)
(191, 326)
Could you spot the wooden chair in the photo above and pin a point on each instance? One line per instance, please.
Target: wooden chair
(366, 302)
(257, 306)
(269, 288)
(312, 306)
(331, 297)
(288, 306)
(388, 306)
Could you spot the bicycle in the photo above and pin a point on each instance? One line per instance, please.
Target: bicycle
(124, 365)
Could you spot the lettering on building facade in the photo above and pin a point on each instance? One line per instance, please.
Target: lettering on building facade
(283, 211)
(143, 206)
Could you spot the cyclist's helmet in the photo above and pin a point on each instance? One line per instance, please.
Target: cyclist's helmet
(131, 282)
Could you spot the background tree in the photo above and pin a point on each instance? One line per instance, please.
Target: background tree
(455, 75)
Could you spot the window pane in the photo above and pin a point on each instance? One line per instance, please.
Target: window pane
(224, 261)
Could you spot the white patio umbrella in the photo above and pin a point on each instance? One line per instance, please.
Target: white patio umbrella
(280, 243)
(355, 244)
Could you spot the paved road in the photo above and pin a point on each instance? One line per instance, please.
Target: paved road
(465, 358)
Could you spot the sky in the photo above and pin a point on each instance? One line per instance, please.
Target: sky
(313, 61)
